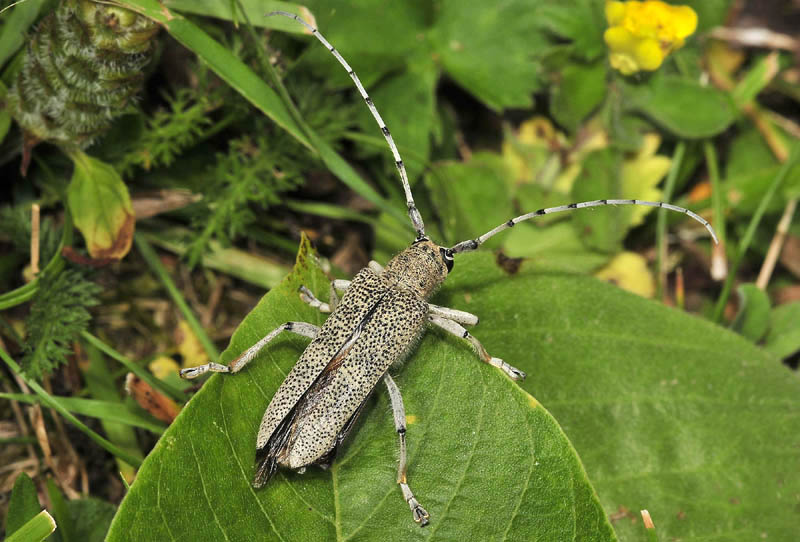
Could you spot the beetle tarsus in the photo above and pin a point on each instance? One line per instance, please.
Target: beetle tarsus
(421, 515)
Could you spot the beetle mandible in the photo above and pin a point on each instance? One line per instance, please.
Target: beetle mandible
(377, 322)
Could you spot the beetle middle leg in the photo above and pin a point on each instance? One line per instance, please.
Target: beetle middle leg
(452, 326)
(300, 328)
(399, 413)
(337, 285)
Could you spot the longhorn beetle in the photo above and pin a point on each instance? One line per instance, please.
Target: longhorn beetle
(375, 324)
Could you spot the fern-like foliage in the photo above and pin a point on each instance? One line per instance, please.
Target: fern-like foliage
(252, 172)
(59, 313)
(15, 226)
(83, 67)
(169, 131)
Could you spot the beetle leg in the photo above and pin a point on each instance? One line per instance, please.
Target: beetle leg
(310, 298)
(456, 329)
(299, 328)
(375, 266)
(463, 318)
(398, 411)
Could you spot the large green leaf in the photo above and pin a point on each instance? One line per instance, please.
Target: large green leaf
(486, 459)
(682, 106)
(668, 412)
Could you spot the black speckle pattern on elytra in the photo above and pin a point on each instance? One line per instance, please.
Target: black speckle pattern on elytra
(376, 324)
(364, 291)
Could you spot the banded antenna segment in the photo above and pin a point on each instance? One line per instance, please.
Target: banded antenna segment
(413, 213)
(473, 244)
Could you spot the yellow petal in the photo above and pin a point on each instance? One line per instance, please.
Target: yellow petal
(619, 39)
(189, 346)
(163, 366)
(629, 271)
(615, 12)
(684, 21)
(648, 54)
(623, 63)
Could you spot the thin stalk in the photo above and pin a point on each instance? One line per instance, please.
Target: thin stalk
(139, 371)
(26, 292)
(719, 264)
(716, 191)
(50, 402)
(744, 244)
(661, 224)
(152, 260)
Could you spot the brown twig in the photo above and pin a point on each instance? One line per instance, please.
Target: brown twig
(756, 37)
(35, 239)
(776, 245)
(71, 453)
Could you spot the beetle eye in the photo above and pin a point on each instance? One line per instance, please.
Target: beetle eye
(448, 259)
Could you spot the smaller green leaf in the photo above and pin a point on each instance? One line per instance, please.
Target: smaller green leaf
(24, 503)
(15, 25)
(554, 248)
(90, 518)
(744, 191)
(583, 24)
(601, 178)
(461, 190)
(783, 337)
(61, 513)
(5, 123)
(38, 528)
(682, 106)
(748, 152)
(710, 13)
(581, 89)
(752, 320)
(488, 49)
(755, 80)
(410, 96)
(101, 207)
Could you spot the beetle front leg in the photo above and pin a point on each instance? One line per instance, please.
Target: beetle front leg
(456, 329)
(399, 413)
(300, 328)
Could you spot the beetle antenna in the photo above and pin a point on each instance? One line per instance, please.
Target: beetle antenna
(413, 213)
(473, 244)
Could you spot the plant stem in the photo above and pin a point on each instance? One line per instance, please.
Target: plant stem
(661, 224)
(155, 264)
(744, 244)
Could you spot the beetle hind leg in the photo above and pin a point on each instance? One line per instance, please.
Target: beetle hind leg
(299, 328)
(421, 515)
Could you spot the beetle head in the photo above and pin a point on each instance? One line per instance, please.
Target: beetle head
(421, 268)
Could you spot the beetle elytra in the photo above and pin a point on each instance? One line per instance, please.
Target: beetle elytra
(376, 323)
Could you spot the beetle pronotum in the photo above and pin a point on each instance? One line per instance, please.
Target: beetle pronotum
(381, 314)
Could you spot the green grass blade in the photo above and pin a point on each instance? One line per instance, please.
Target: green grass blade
(744, 244)
(108, 411)
(157, 267)
(253, 9)
(141, 372)
(38, 528)
(49, 401)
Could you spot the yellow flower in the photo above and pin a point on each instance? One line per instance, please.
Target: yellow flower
(641, 34)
